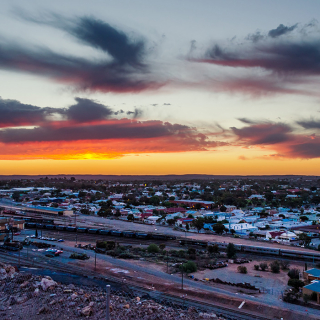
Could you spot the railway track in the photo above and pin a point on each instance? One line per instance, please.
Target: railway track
(87, 237)
(43, 262)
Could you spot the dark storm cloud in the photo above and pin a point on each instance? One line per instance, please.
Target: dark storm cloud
(86, 110)
(264, 133)
(281, 30)
(88, 120)
(309, 124)
(279, 137)
(282, 57)
(101, 35)
(286, 60)
(116, 129)
(15, 113)
(123, 68)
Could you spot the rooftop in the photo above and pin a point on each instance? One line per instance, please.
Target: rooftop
(314, 272)
(314, 286)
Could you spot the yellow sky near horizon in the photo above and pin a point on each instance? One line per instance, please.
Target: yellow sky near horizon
(224, 163)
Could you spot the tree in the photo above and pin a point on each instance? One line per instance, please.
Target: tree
(16, 196)
(153, 248)
(223, 208)
(294, 273)
(295, 283)
(304, 218)
(130, 217)
(104, 212)
(85, 211)
(304, 238)
(263, 266)
(275, 266)
(284, 264)
(155, 200)
(118, 213)
(231, 250)
(171, 222)
(187, 227)
(213, 249)
(232, 231)
(198, 223)
(306, 298)
(162, 246)
(218, 228)
(189, 267)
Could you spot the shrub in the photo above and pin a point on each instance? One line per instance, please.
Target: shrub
(125, 255)
(162, 246)
(213, 249)
(313, 296)
(295, 283)
(181, 254)
(284, 265)
(242, 269)
(293, 274)
(191, 251)
(306, 298)
(263, 266)
(275, 266)
(189, 267)
(153, 248)
(231, 250)
(256, 267)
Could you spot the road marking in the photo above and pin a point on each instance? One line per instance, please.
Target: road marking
(241, 305)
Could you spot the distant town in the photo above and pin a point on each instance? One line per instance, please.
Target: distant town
(279, 210)
(253, 236)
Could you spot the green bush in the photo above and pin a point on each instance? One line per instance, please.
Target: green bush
(242, 269)
(189, 267)
(284, 265)
(153, 248)
(125, 255)
(213, 249)
(275, 266)
(181, 254)
(293, 274)
(295, 283)
(263, 266)
(231, 250)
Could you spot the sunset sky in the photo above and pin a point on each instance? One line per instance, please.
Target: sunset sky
(160, 87)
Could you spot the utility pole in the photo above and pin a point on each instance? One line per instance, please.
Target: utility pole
(75, 217)
(167, 261)
(181, 276)
(95, 261)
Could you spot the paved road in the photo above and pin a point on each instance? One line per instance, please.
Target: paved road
(123, 264)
